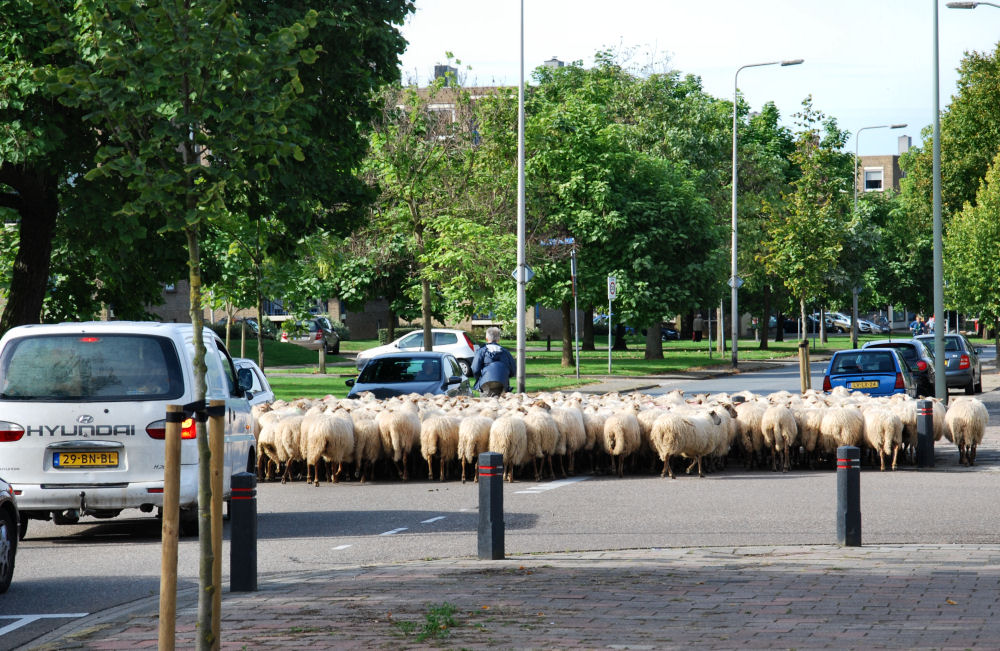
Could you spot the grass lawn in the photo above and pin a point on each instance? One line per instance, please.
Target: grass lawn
(544, 371)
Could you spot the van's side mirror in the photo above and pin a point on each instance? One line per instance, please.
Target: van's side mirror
(244, 379)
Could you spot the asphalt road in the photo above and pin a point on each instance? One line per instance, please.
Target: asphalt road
(65, 571)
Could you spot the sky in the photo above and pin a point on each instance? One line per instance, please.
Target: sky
(867, 62)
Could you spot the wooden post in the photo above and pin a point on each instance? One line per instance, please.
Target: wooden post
(171, 527)
(216, 442)
(322, 357)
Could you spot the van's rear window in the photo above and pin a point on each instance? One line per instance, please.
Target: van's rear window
(93, 367)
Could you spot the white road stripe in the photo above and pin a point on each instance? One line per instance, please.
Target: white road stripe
(541, 488)
(24, 620)
(340, 547)
(389, 533)
(440, 517)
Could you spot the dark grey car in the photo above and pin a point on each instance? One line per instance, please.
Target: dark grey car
(397, 374)
(917, 356)
(961, 362)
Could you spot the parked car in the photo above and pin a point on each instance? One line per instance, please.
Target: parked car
(9, 534)
(252, 326)
(791, 324)
(83, 416)
(917, 356)
(312, 333)
(397, 374)
(961, 362)
(669, 334)
(260, 390)
(454, 342)
(875, 371)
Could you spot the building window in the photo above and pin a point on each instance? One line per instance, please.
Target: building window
(873, 179)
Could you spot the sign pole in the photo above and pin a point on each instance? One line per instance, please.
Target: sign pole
(576, 312)
(612, 293)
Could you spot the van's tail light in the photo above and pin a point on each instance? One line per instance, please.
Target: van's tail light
(921, 365)
(963, 361)
(158, 429)
(468, 341)
(319, 336)
(10, 432)
(826, 383)
(899, 382)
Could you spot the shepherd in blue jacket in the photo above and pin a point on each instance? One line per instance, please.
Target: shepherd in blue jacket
(493, 366)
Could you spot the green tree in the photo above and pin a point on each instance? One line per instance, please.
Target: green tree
(971, 243)
(810, 227)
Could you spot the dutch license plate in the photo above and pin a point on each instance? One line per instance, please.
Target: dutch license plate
(85, 460)
(867, 384)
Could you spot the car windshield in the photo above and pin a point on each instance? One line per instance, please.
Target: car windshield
(908, 351)
(863, 362)
(950, 344)
(395, 370)
(90, 368)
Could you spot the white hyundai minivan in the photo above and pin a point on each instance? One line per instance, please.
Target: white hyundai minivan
(83, 416)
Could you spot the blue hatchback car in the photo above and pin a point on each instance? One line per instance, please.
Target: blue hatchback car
(875, 371)
(397, 374)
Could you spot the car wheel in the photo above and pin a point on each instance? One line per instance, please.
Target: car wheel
(466, 368)
(970, 388)
(336, 348)
(978, 388)
(189, 522)
(8, 545)
(69, 516)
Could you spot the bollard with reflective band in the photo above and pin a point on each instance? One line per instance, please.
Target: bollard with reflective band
(491, 506)
(925, 434)
(243, 533)
(849, 496)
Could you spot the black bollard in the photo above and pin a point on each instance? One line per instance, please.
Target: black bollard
(490, 506)
(925, 434)
(243, 533)
(849, 496)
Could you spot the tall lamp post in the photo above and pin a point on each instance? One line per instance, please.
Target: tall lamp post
(519, 273)
(854, 288)
(734, 279)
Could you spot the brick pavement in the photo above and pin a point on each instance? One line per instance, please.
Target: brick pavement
(905, 596)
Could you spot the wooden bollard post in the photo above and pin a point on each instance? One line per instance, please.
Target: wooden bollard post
(216, 443)
(170, 526)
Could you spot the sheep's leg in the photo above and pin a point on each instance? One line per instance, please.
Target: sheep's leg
(430, 468)
(443, 463)
(881, 459)
(694, 462)
(534, 464)
(895, 453)
(463, 471)
(786, 454)
(698, 461)
(972, 454)
(961, 454)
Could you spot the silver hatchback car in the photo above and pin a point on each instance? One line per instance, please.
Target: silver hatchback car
(961, 362)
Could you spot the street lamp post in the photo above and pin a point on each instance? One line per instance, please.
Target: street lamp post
(734, 280)
(854, 287)
(521, 307)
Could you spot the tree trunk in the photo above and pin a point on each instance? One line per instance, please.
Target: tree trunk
(802, 310)
(567, 335)
(779, 331)
(620, 338)
(38, 207)
(425, 313)
(588, 330)
(766, 319)
(390, 330)
(686, 326)
(260, 322)
(654, 344)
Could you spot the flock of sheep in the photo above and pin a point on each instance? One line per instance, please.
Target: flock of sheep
(606, 432)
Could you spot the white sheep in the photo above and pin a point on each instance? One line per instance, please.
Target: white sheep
(966, 420)
(569, 420)
(328, 437)
(508, 437)
(672, 435)
(367, 443)
(779, 430)
(883, 432)
(543, 437)
(473, 440)
(439, 436)
(400, 431)
(622, 436)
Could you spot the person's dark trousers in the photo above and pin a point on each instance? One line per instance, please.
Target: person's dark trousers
(491, 389)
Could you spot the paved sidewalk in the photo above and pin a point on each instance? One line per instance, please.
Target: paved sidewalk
(907, 596)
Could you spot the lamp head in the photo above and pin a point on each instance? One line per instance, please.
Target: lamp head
(792, 62)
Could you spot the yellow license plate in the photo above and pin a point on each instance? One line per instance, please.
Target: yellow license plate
(85, 460)
(867, 384)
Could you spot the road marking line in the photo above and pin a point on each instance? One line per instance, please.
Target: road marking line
(24, 620)
(541, 488)
(389, 533)
(440, 517)
(340, 547)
